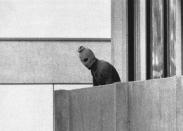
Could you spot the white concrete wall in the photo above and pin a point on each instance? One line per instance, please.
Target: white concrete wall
(47, 61)
(51, 61)
(55, 18)
(26, 107)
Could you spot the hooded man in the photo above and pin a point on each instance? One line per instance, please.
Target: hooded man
(102, 71)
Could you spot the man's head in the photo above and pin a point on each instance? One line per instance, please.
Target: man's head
(86, 56)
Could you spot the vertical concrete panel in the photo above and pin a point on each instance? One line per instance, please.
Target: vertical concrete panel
(179, 104)
(143, 107)
(62, 112)
(93, 109)
(167, 107)
(26, 107)
(140, 39)
(119, 37)
(152, 105)
(178, 45)
(122, 107)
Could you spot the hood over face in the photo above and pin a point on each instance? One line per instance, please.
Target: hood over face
(86, 56)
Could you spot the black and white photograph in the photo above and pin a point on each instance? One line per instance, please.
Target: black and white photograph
(91, 65)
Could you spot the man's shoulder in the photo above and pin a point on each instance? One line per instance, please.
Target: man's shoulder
(104, 65)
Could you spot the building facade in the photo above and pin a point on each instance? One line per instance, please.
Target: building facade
(38, 51)
(142, 39)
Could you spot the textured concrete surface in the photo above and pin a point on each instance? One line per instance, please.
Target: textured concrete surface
(90, 109)
(26, 107)
(122, 107)
(47, 61)
(140, 39)
(62, 110)
(179, 104)
(151, 105)
(93, 109)
(58, 18)
(119, 35)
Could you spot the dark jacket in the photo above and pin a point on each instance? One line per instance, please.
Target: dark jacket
(103, 73)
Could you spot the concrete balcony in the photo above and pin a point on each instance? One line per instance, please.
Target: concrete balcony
(151, 105)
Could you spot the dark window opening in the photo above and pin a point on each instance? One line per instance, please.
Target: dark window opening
(165, 38)
(131, 64)
(148, 39)
(182, 33)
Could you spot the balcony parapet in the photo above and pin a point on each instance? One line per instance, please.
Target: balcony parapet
(151, 105)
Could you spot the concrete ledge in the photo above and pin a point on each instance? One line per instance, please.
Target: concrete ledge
(151, 105)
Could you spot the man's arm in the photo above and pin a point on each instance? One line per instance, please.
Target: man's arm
(94, 81)
(107, 74)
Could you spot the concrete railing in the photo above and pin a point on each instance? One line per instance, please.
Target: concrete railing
(152, 105)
